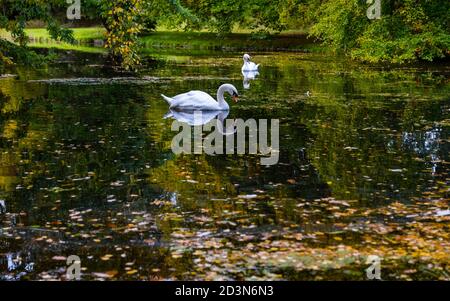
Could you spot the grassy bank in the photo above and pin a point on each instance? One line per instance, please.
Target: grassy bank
(83, 35)
(289, 41)
(234, 41)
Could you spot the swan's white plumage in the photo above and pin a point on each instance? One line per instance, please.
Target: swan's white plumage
(249, 65)
(201, 101)
(193, 100)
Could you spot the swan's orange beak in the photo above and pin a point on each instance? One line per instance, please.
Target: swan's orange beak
(235, 97)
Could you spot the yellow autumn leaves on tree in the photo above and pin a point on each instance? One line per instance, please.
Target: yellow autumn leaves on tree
(123, 27)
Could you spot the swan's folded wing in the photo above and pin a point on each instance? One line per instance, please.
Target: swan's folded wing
(194, 100)
(250, 66)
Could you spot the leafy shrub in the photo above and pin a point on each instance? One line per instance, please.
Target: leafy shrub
(407, 31)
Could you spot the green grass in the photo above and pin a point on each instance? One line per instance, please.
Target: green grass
(85, 36)
(80, 34)
(63, 46)
(163, 38)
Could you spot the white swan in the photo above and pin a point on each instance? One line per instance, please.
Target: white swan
(249, 65)
(201, 101)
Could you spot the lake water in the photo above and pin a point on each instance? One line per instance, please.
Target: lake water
(87, 169)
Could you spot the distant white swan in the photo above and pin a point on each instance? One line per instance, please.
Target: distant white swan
(201, 101)
(248, 64)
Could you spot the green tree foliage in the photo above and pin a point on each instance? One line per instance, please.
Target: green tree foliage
(408, 30)
(222, 15)
(15, 14)
(13, 17)
(122, 19)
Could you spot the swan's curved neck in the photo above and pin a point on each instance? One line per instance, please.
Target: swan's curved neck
(221, 98)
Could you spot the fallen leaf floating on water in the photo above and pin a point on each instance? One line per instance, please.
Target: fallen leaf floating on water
(109, 274)
(59, 258)
(248, 196)
(443, 213)
(106, 257)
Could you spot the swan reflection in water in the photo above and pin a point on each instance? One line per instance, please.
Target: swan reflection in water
(248, 76)
(198, 118)
(2, 206)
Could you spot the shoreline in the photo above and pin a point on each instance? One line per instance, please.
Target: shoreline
(93, 37)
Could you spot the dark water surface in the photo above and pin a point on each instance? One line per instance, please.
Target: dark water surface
(86, 169)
